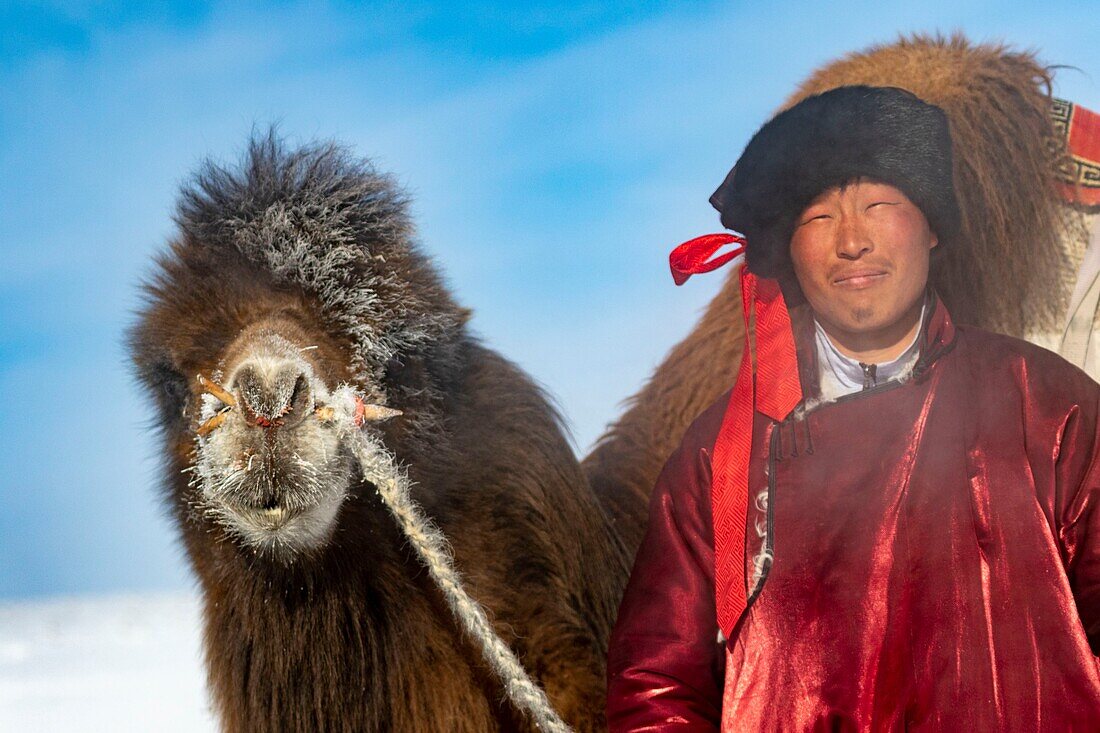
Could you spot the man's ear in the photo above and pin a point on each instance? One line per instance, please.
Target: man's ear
(935, 241)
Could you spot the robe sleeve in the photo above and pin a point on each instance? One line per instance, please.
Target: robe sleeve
(1078, 474)
(665, 666)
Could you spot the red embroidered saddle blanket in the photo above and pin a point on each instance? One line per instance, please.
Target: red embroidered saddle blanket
(1079, 179)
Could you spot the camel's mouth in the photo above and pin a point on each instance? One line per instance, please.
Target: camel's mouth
(288, 503)
(270, 519)
(283, 496)
(276, 516)
(281, 532)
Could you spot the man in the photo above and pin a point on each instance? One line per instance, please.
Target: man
(897, 512)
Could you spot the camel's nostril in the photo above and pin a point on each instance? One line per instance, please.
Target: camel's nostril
(251, 389)
(300, 404)
(273, 394)
(302, 397)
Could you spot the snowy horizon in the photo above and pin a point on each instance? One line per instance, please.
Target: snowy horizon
(115, 663)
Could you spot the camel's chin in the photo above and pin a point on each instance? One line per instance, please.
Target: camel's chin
(283, 533)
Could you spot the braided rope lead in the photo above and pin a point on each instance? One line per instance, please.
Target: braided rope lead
(380, 467)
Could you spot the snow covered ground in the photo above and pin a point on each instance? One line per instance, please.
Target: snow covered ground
(104, 663)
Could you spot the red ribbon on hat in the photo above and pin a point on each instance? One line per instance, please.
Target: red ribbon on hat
(775, 392)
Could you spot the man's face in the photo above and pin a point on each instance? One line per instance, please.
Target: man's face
(860, 253)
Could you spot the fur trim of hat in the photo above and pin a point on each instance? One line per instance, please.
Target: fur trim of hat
(884, 134)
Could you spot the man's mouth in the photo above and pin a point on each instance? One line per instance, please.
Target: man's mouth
(859, 279)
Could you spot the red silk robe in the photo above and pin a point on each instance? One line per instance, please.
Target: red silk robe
(936, 548)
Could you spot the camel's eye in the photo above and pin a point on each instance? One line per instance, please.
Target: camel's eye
(396, 371)
(170, 390)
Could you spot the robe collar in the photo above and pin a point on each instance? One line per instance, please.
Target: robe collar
(935, 338)
(840, 374)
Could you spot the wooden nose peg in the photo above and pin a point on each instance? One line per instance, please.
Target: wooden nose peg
(211, 387)
(364, 413)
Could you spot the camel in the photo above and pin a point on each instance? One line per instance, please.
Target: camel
(291, 281)
(297, 278)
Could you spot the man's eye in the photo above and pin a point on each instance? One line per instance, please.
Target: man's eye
(816, 218)
(882, 203)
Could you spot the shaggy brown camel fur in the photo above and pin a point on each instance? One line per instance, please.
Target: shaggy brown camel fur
(289, 277)
(1010, 271)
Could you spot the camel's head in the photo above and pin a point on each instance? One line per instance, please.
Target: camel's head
(292, 305)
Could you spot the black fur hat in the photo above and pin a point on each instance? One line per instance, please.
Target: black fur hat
(881, 133)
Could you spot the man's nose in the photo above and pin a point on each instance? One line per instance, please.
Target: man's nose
(852, 241)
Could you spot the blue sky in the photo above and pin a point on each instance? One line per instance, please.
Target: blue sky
(555, 152)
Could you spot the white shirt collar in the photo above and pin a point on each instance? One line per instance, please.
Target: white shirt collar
(840, 375)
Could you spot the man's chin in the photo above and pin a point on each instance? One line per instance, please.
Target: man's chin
(859, 318)
(863, 318)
